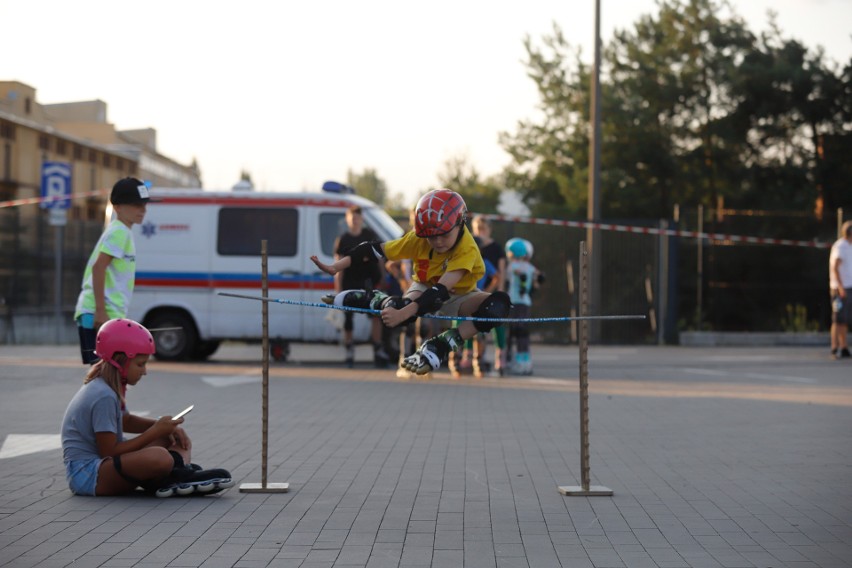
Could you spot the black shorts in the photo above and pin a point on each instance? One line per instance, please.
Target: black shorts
(844, 315)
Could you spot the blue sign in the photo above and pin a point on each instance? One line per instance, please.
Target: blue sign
(55, 185)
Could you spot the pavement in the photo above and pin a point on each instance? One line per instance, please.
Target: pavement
(717, 457)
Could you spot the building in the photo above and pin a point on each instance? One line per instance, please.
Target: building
(33, 283)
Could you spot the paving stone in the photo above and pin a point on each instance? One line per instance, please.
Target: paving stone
(388, 473)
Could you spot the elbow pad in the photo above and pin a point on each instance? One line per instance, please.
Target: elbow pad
(432, 299)
(541, 278)
(368, 251)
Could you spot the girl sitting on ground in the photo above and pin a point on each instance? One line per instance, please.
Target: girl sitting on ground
(98, 459)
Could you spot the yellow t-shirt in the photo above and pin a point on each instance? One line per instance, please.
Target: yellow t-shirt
(428, 266)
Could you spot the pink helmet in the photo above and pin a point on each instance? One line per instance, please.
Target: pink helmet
(123, 335)
(438, 212)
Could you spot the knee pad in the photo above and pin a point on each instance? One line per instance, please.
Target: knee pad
(494, 306)
(116, 463)
(178, 459)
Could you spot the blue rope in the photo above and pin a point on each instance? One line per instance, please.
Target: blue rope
(430, 316)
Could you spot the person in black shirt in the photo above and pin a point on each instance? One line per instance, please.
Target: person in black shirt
(360, 275)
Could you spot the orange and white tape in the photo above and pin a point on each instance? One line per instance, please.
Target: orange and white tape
(36, 200)
(655, 231)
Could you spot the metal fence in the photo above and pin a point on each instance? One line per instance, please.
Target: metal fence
(739, 286)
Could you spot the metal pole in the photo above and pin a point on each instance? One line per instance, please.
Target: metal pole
(263, 487)
(663, 283)
(584, 368)
(699, 284)
(585, 488)
(57, 283)
(593, 235)
(264, 275)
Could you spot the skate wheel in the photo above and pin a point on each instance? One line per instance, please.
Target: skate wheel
(185, 489)
(165, 492)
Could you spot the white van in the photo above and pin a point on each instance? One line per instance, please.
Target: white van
(194, 244)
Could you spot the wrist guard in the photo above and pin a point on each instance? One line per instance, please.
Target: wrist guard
(432, 299)
(368, 251)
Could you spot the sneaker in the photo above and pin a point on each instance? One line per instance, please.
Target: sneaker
(834, 354)
(187, 481)
(844, 353)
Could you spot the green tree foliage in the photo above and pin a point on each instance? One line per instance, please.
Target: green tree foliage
(695, 108)
(480, 196)
(369, 185)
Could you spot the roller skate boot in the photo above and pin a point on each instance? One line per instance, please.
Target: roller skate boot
(361, 299)
(185, 481)
(433, 353)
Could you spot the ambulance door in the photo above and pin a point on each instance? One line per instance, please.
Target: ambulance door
(236, 269)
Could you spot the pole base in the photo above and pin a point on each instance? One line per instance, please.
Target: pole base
(261, 488)
(577, 491)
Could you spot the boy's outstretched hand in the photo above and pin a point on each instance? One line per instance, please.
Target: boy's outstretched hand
(327, 268)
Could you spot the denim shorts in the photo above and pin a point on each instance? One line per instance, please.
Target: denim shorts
(82, 475)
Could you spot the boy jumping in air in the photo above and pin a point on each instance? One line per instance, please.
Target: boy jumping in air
(446, 266)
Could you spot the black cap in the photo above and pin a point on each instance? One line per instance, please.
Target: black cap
(129, 191)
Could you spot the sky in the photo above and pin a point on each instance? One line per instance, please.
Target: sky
(297, 93)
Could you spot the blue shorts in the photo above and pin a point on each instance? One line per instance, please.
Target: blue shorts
(82, 475)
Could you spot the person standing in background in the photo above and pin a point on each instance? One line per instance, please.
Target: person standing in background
(840, 283)
(494, 253)
(110, 273)
(360, 275)
(522, 279)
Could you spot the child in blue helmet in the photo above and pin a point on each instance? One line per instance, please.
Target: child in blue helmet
(98, 459)
(522, 279)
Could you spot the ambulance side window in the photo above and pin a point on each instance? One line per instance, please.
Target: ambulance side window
(242, 228)
(331, 226)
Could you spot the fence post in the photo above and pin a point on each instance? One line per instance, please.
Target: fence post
(699, 280)
(663, 283)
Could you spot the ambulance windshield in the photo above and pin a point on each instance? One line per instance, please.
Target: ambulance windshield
(383, 224)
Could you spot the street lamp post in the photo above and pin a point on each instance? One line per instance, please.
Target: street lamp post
(593, 215)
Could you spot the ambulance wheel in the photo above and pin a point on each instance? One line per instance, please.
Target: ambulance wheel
(204, 350)
(279, 350)
(173, 344)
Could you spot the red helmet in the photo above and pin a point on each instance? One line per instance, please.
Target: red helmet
(123, 335)
(438, 212)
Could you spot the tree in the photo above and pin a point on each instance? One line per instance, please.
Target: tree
(462, 177)
(694, 107)
(368, 185)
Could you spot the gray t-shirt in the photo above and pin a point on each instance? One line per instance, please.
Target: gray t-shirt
(95, 408)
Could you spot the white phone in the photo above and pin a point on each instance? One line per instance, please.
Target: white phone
(183, 412)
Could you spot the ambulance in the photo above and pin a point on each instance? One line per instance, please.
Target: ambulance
(195, 244)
